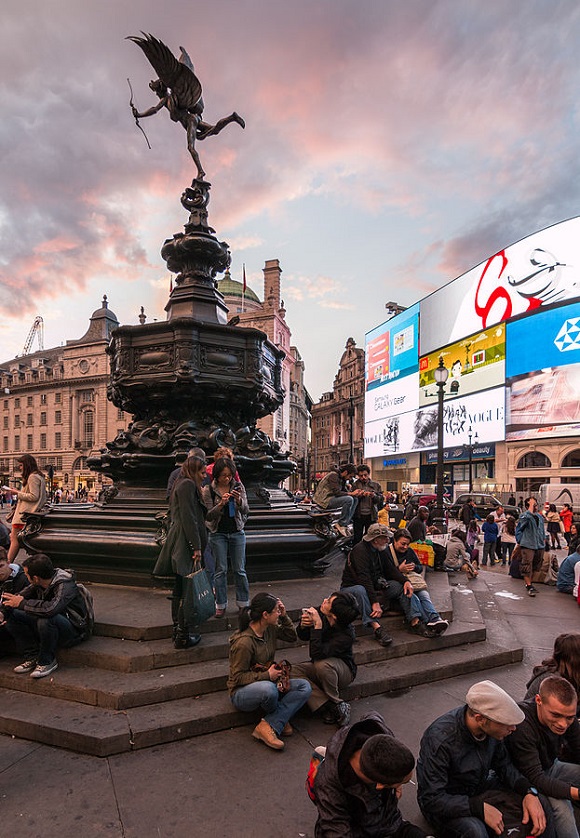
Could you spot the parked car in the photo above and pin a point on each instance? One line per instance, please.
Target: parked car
(484, 505)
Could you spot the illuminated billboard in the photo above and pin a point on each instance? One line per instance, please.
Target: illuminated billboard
(392, 349)
(543, 393)
(540, 270)
(484, 413)
(475, 363)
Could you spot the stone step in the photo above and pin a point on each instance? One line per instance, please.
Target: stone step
(111, 695)
(100, 731)
(119, 689)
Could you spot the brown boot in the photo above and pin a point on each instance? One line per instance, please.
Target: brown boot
(287, 730)
(267, 735)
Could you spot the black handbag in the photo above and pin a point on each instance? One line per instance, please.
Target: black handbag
(198, 597)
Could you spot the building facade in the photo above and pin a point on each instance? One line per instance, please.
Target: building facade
(55, 407)
(289, 425)
(338, 418)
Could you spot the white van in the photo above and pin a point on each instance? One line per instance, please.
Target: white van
(560, 493)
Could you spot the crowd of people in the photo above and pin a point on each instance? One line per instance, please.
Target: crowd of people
(490, 766)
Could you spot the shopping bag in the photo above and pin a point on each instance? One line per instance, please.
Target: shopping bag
(425, 552)
(198, 598)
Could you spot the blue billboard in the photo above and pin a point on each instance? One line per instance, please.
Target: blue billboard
(392, 349)
(543, 339)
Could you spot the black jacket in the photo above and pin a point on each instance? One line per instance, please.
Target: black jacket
(365, 566)
(329, 642)
(453, 768)
(347, 807)
(55, 599)
(13, 585)
(534, 749)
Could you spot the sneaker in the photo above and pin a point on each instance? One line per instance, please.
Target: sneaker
(220, 612)
(267, 735)
(439, 626)
(382, 637)
(287, 730)
(25, 668)
(44, 669)
(342, 713)
(531, 590)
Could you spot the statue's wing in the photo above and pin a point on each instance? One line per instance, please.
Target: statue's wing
(176, 75)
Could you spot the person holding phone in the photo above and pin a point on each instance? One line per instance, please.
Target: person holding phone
(31, 498)
(227, 513)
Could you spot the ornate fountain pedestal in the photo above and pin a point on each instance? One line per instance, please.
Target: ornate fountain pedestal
(191, 381)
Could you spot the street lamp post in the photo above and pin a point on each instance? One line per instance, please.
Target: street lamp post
(351, 424)
(469, 434)
(441, 375)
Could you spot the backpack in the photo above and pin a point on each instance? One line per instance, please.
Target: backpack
(84, 621)
(316, 761)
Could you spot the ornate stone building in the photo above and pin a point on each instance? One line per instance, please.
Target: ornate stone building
(289, 425)
(54, 406)
(338, 418)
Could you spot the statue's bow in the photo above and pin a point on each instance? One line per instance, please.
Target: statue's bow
(137, 123)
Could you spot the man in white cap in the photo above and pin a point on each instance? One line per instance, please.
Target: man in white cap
(467, 785)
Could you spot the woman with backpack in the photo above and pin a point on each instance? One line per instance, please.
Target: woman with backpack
(227, 512)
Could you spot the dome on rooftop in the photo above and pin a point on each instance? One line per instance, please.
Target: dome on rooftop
(231, 288)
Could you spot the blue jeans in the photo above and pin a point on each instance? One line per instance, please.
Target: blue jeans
(359, 592)
(347, 506)
(39, 637)
(428, 611)
(410, 606)
(563, 810)
(230, 546)
(278, 708)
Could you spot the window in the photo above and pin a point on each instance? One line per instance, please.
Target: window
(43, 418)
(29, 420)
(572, 460)
(58, 462)
(5, 421)
(57, 398)
(86, 396)
(58, 440)
(17, 421)
(120, 413)
(17, 403)
(88, 427)
(57, 417)
(17, 443)
(29, 401)
(534, 459)
(5, 443)
(5, 404)
(43, 398)
(29, 442)
(43, 442)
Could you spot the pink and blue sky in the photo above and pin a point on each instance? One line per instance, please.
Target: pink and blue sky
(390, 146)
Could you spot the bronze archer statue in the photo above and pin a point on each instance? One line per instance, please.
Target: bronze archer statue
(179, 90)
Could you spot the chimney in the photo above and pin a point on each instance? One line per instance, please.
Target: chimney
(272, 272)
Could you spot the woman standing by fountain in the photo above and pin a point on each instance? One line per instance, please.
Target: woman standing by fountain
(227, 505)
(186, 541)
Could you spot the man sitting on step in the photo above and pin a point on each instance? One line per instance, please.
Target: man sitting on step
(329, 631)
(372, 576)
(38, 617)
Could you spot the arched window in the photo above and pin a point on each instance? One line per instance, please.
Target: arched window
(572, 460)
(534, 459)
(79, 464)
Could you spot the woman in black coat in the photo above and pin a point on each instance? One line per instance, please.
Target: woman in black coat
(185, 543)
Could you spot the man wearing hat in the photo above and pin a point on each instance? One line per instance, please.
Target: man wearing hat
(331, 493)
(376, 581)
(359, 782)
(467, 785)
